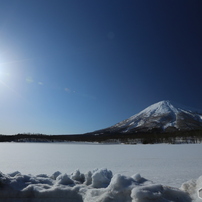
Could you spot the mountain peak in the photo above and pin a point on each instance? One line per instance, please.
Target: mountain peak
(162, 116)
(161, 107)
(164, 102)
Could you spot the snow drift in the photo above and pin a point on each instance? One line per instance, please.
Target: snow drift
(94, 186)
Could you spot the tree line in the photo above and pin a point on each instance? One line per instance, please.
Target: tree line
(152, 137)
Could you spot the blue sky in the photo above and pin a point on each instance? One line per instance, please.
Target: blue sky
(69, 67)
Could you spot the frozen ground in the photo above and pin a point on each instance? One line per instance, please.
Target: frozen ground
(164, 166)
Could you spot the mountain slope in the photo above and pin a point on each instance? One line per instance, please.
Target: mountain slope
(161, 116)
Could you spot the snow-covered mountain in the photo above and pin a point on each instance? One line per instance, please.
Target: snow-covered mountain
(162, 116)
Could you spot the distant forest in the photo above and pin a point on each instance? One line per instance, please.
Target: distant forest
(177, 137)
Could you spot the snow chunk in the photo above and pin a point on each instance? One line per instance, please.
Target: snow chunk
(64, 179)
(101, 178)
(192, 187)
(78, 176)
(96, 186)
(55, 175)
(158, 193)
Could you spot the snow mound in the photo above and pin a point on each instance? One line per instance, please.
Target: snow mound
(94, 186)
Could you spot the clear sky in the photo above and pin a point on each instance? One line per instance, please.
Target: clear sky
(75, 66)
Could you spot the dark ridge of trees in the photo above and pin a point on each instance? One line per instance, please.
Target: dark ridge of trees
(150, 137)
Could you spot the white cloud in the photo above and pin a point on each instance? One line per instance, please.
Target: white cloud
(67, 90)
(29, 79)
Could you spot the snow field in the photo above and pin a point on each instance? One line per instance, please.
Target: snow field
(99, 185)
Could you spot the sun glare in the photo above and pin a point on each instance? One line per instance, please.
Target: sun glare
(4, 78)
(3, 74)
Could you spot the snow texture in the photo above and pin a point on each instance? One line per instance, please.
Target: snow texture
(99, 185)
